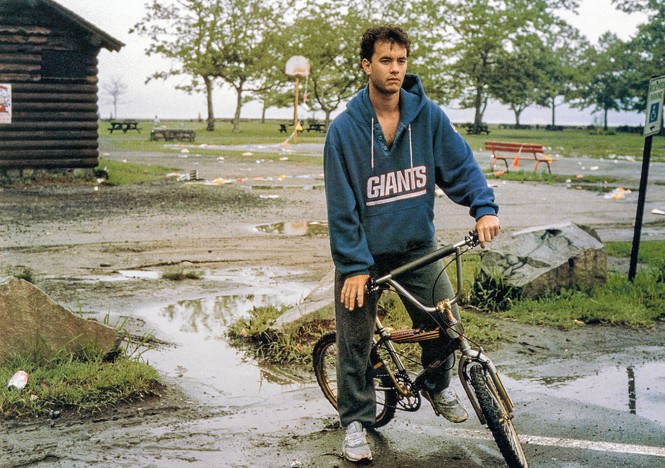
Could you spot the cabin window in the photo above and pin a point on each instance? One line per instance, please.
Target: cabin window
(63, 64)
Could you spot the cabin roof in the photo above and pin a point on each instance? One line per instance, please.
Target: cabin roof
(98, 36)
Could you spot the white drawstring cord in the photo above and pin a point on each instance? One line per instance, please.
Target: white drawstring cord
(410, 146)
(372, 143)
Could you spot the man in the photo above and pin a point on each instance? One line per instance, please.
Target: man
(383, 158)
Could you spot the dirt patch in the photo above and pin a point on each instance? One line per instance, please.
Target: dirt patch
(75, 238)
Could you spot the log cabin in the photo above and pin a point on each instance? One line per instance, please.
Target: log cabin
(48, 86)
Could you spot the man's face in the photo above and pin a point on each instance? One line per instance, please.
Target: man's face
(387, 68)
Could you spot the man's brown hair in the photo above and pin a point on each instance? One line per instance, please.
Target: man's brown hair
(385, 32)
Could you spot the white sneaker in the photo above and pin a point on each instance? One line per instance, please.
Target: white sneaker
(355, 447)
(447, 404)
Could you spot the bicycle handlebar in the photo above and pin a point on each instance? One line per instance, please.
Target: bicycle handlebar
(470, 240)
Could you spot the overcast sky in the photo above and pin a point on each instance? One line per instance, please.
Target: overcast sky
(160, 98)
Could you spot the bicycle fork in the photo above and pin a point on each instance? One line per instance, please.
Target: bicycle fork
(470, 356)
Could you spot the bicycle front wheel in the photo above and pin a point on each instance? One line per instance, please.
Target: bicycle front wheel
(325, 369)
(498, 420)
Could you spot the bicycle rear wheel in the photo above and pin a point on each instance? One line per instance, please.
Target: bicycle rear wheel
(325, 369)
(497, 418)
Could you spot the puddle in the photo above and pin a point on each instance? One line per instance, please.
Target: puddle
(296, 228)
(638, 389)
(202, 360)
(242, 275)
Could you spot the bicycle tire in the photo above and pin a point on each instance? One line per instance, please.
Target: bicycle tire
(325, 369)
(498, 422)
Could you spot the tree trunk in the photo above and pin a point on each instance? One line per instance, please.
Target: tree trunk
(553, 112)
(517, 117)
(236, 116)
(263, 113)
(478, 117)
(327, 121)
(605, 111)
(211, 113)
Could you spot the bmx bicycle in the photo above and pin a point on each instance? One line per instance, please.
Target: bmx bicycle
(399, 389)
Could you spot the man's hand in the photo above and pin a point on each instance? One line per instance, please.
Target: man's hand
(354, 291)
(488, 228)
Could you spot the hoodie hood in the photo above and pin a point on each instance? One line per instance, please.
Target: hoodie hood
(412, 99)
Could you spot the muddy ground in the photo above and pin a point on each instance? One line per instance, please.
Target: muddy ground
(77, 238)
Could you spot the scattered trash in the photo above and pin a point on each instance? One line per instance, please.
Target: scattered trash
(248, 153)
(657, 211)
(221, 158)
(192, 175)
(593, 168)
(18, 380)
(499, 173)
(618, 193)
(184, 151)
(284, 158)
(296, 464)
(579, 176)
(96, 188)
(272, 197)
(438, 192)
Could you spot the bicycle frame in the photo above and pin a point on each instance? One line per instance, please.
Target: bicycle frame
(453, 329)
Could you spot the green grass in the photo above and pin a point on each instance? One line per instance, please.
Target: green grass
(650, 253)
(618, 302)
(251, 132)
(573, 142)
(569, 143)
(80, 384)
(122, 173)
(291, 348)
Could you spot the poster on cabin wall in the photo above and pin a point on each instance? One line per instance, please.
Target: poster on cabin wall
(5, 103)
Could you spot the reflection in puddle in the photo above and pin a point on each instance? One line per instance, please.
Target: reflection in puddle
(202, 360)
(241, 275)
(296, 228)
(638, 389)
(140, 274)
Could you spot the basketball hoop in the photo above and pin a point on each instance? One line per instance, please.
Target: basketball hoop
(297, 66)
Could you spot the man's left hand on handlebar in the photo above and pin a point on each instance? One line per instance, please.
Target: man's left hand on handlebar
(487, 228)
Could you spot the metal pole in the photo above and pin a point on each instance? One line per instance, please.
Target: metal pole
(646, 156)
(295, 114)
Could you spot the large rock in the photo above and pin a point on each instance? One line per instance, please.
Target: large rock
(313, 306)
(547, 258)
(34, 325)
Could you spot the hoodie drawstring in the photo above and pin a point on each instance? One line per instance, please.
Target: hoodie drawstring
(410, 146)
(372, 143)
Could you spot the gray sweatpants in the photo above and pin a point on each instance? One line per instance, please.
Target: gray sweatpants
(355, 385)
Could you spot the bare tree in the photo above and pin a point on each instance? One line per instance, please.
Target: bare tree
(115, 88)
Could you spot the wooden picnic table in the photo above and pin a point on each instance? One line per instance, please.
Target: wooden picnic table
(317, 127)
(170, 134)
(124, 125)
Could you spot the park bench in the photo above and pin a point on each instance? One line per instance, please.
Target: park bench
(504, 151)
(170, 134)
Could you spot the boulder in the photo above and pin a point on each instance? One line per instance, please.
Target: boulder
(313, 306)
(547, 258)
(35, 325)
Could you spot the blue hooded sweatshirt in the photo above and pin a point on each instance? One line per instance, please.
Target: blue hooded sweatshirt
(381, 199)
